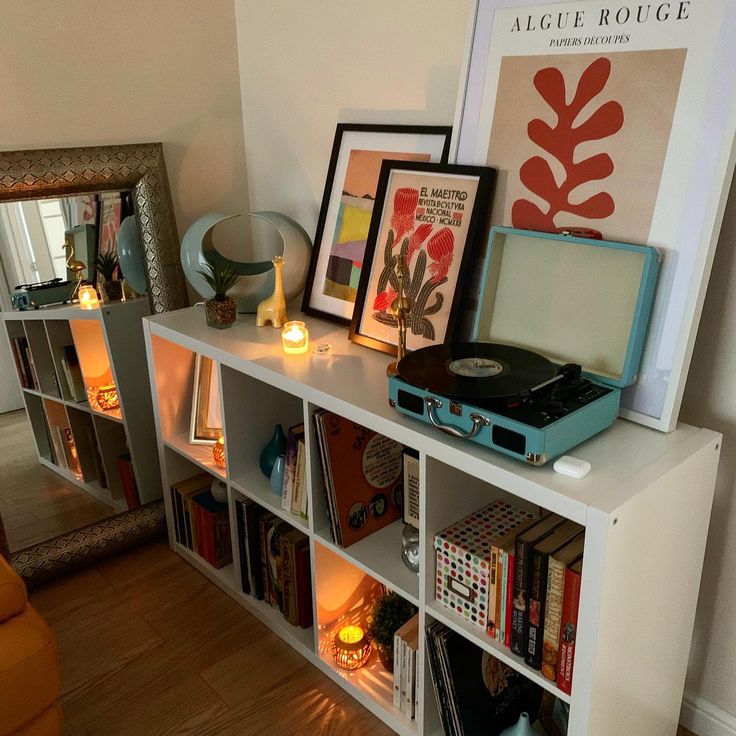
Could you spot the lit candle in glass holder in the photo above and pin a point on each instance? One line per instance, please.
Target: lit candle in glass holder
(351, 647)
(88, 297)
(295, 337)
(218, 452)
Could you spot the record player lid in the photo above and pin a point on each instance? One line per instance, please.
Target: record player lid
(571, 299)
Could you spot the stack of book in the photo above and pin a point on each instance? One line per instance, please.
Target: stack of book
(24, 362)
(406, 647)
(274, 562)
(294, 494)
(476, 693)
(201, 523)
(362, 473)
(532, 592)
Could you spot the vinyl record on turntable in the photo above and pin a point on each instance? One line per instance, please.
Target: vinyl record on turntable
(476, 370)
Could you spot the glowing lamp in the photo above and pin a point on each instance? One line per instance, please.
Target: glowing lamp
(218, 452)
(88, 297)
(103, 398)
(351, 647)
(295, 338)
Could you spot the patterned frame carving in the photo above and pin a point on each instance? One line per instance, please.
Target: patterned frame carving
(138, 167)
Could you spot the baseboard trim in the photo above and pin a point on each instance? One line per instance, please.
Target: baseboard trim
(705, 719)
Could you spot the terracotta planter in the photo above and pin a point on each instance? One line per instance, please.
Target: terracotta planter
(112, 291)
(220, 313)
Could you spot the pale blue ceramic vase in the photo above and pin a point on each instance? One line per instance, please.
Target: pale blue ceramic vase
(522, 727)
(276, 446)
(277, 475)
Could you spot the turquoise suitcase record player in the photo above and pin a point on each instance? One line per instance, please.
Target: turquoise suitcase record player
(557, 334)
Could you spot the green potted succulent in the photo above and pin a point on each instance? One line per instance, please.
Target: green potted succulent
(108, 267)
(390, 612)
(221, 309)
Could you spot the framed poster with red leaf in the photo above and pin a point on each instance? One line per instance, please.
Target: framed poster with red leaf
(619, 118)
(428, 218)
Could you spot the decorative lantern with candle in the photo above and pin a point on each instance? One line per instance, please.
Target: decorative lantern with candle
(351, 647)
(218, 452)
(295, 337)
(103, 398)
(88, 297)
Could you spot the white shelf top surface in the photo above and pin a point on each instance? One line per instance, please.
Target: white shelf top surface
(353, 383)
(74, 311)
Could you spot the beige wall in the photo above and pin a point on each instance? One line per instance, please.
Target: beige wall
(91, 72)
(304, 68)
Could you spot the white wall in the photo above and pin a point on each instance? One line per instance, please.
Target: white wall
(306, 67)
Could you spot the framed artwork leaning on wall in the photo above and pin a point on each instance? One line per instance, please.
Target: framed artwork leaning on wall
(347, 204)
(431, 219)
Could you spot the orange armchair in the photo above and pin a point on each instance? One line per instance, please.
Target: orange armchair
(29, 664)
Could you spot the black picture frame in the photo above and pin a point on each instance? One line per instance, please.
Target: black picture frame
(460, 299)
(314, 303)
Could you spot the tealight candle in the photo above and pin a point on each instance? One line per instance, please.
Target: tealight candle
(351, 647)
(88, 297)
(295, 337)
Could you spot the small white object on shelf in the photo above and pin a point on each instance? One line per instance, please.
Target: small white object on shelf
(571, 466)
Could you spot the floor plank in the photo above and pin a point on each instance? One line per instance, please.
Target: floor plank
(37, 504)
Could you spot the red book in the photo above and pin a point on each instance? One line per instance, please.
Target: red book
(509, 599)
(568, 628)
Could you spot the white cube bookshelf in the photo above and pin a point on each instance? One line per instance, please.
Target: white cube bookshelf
(109, 345)
(645, 507)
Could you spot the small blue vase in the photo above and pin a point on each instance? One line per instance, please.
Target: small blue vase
(522, 727)
(277, 475)
(276, 446)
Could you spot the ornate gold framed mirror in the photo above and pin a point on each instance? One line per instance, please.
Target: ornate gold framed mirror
(136, 167)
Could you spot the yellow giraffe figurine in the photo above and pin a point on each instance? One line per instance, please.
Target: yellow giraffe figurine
(273, 309)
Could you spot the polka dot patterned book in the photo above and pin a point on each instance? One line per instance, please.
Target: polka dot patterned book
(467, 555)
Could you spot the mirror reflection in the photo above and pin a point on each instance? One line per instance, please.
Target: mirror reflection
(47, 248)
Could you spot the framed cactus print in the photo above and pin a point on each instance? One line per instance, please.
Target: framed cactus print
(429, 218)
(616, 117)
(347, 205)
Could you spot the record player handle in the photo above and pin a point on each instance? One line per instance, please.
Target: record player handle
(479, 421)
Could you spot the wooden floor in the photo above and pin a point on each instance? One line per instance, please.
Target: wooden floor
(35, 503)
(149, 647)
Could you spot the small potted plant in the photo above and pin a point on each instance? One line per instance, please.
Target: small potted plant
(108, 267)
(389, 613)
(221, 309)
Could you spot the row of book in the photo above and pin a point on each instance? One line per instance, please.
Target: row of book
(201, 523)
(274, 562)
(24, 362)
(475, 692)
(406, 647)
(362, 475)
(529, 597)
(294, 492)
(64, 449)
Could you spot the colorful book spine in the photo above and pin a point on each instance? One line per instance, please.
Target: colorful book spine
(501, 597)
(242, 547)
(568, 628)
(552, 618)
(521, 554)
(535, 617)
(510, 565)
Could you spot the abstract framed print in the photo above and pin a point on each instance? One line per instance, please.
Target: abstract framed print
(430, 218)
(616, 117)
(347, 204)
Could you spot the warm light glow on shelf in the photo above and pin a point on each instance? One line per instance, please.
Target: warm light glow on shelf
(218, 452)
(103, 398)
(351, 647)
(295, 337)
(88, 297)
